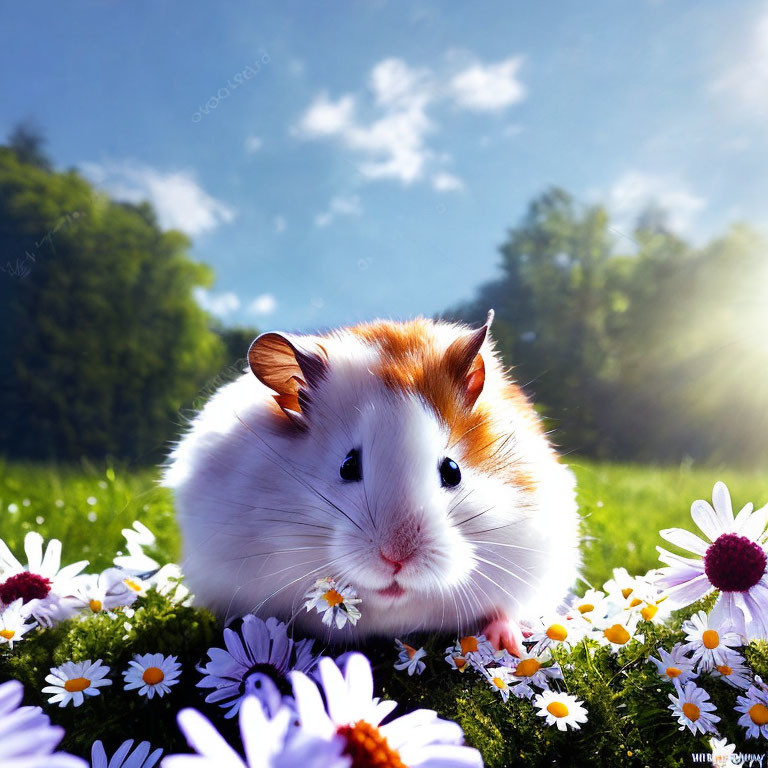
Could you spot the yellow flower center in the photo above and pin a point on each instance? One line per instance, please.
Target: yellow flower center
(136, 587)
(499, 683)
(527, 667)
(468, 645)
(586, 608)
(759, 714)
(7, 633)
(557, 632)
(626, 592)
(691, 711)
(674, 672)
(332, 597)
(367, 747)
(76, 684)
(459, 662)
(95, 605)
(635, 602)
(724, 669)
(153, 676)
(617, 634)
(557, 709)
(710, 638)
(649, 611)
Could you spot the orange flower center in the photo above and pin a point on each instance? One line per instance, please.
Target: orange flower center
(674, 672)
(617, 634)
(724, 669)
(586, 608)
(691, 711)
(132, 584)
(759, 714)
(557, 709)
(527, 667)
(649, 611)
(367, 747)
(710, 638)
(95, 605)
(153, 676)
(557, 632)
(7, 633)
(76, 684)
(332, 597)
(468, 645)
(626, 592)
(499, 683)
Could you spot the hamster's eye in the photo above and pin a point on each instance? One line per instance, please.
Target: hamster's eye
(450, 474)
(351, 469)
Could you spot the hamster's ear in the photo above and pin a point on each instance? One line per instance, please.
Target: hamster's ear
(291, 367)
(465, 362)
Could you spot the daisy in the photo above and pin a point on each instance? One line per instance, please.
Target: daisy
(261, 650)
(734, 671)
(472, 650)
(619, 629)
(538, 670)
(721, 752)
(592, 605)
(268, 742)
(140, 758)
(27, 737)
(152, 673)
(13, 623)
(732, 560)
(710, 647)
(72, 681)
(167, 581)
(419, 738)
(693, 709)
(102, 592)
(554, 632)
(674, 665)
(42, 582)
(754, 709)
(136, 562)
(409, 658)
(628, 591)
(500, 679)
(336, 602)
(560, 709)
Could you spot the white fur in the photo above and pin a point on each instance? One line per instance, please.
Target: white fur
(264, 513)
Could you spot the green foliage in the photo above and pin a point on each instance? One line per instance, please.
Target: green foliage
(101, 340)
(655, 355)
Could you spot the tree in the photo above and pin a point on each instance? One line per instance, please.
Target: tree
(101, 341)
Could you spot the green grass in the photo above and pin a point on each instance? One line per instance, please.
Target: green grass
(623, 507)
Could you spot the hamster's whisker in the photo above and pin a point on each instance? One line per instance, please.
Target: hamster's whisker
(498, 586)
(506, 570)
(469, 519)
(501, 544)
(482, 590)
(459, 501)
(273, 552)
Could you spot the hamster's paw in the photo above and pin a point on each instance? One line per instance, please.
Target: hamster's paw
(505, 634)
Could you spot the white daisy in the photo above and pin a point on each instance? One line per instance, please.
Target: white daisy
(268, 742)
(710, 647)
(27, 738)
(72, 681)
(417, 739)
(693, 709)
(152, 673)
(617, 630)
(410, 658)
(500, 679)
(261, 650)
(336, 602)
(754, 709)
(674, 665)
(628, 591)
(555, 631)
(733, 560)
(14, 623)
(591, 605)
(136, 562)
(102, 592)
(531, 669)
(167, 581)
(734, 671)
(472, 650)
(42, 582)
(139, 758)
(560, 709)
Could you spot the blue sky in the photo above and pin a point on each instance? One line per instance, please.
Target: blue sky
(336, 162)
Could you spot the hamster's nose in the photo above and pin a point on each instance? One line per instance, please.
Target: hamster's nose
(397, 565)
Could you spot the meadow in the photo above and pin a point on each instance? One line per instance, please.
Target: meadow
(623, 507)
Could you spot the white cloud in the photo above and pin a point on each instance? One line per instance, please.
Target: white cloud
(745, 77)
(265, 304)
(488, 87)
(635, 191)
(392, 143)
(339, 206)
(280, 225)
(180, 202)
(253, 144)
(446, 182)
(219, 304)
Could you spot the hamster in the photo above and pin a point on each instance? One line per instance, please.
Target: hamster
(400, 458)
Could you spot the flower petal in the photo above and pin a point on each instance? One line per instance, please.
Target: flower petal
(685, 540)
